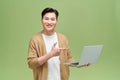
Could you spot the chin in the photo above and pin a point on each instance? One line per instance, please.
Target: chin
(50, 29)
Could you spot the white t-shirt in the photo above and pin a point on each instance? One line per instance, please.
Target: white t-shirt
(53, 63)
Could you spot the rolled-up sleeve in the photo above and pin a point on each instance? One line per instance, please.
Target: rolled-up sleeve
(32, 55)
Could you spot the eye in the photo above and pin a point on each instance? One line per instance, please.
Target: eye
(53, 19)
(46, 18)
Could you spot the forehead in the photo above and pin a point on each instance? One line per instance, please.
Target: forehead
(50, 14)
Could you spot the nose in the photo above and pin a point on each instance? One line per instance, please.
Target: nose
(49, 21)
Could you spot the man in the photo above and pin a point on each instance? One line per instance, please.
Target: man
(49, 50)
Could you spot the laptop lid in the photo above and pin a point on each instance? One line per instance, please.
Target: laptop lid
(90, 54)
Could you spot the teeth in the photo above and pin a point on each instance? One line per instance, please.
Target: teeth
(49, 26)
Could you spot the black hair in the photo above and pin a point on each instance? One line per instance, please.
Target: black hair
(48, 9)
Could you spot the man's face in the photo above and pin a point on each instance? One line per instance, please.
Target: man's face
(49, 22)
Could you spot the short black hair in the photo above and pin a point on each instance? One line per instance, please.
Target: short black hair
(48, 9)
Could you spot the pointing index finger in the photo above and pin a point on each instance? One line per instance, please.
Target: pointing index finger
(64, 48)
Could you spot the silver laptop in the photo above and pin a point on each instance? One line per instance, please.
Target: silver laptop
(90, 54)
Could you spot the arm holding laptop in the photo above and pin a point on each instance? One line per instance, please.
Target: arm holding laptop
(76, 64)
(85, 65)
(90, 55)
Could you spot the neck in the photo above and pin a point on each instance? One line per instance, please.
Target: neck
(49, 33)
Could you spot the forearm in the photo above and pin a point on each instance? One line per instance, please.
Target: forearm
(36, 62)
(52, 53)
(44, 59)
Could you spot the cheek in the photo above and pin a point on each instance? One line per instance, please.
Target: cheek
(55, 23)
(44, 22)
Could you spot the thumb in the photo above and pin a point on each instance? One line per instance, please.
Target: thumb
(54, 45)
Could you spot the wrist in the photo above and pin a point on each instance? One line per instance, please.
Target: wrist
(50, 54)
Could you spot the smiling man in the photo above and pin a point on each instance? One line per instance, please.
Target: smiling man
(49, 21)
(49, 50)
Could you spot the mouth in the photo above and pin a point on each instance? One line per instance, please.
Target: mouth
(49, 26)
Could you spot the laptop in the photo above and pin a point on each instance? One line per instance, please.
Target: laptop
(90, 55)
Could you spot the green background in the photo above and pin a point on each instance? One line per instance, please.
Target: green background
(84, 22)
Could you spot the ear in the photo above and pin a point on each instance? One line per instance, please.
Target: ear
(41, 20)
(57, 20)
